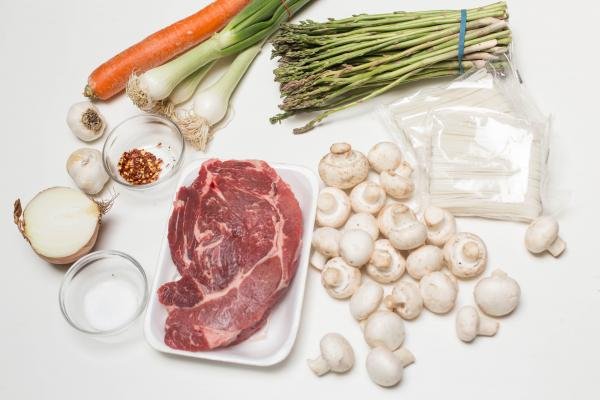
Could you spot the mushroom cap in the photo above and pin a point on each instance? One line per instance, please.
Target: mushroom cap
(356, 247)
(398, 223)
(343, 167)
(338, 353)
(365, 300)
(397, 184)
(339, 279)
(470, 324)
(498, 294)
(367, 197)
(405, 300)
(318, 260)
(541, 234)
(365, 222)
(440, 223)
(438, 292)
(326, 241)
(333, 207)
(384, 367)
(424, 260)
(409, 237)
(386, 264)
(465, 255)
(384, 156)
(467, 322)
(384, 328)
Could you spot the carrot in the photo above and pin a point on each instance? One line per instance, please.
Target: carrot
(111, 77)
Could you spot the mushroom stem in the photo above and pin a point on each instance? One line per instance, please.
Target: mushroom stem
(391, 303)
(557, 247)
(405, 356)
(319, 366)
(381, 259)
(331, 277)
(471, 251)
(498, 273)
(434, 216)
(326, 203)
(318, 260)
(399, 214)
(340, 148)
(487, 326)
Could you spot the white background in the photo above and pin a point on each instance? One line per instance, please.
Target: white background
(547, 349)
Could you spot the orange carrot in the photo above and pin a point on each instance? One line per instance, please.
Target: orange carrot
(111, 77)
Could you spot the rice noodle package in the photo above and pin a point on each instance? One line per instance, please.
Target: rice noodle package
(480, 142)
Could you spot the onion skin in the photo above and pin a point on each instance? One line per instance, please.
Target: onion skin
(85, 249)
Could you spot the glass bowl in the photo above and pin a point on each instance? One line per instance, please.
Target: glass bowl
(149, 132)
(103, 293)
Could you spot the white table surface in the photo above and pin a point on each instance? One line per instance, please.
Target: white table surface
(547, 349)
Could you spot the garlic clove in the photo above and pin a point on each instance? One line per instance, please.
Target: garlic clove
(87, 171)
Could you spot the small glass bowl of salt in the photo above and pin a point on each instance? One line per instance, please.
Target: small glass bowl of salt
(103, 293)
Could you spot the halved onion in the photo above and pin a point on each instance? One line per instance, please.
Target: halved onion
(61, 224)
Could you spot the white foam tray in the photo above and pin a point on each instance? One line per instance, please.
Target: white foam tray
(273, 343)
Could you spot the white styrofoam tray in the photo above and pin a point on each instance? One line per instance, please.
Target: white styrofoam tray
(273, 343)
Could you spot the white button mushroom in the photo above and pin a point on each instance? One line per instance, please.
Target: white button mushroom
(424, 260)
(365, 300)
(326, 241)
(386, 368)
(542, 235)
(384, 328)
(465, 255)
(365, 222)
(470, 324)
(336, 355)
(373, 177)
(398, 223)
(339, 279)
(498, 294)
(367, 197)
(343, 167)
(333, 207)
(384, 156)
(439, 292)
(440, 225)
(356, 247)
(405, 300)
(86, 169)
(318, 260)
(397, 183)
(386, 264)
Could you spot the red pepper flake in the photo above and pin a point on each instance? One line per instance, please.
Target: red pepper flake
(139, 167)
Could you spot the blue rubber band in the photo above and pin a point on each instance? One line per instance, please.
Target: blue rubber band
(461, 39)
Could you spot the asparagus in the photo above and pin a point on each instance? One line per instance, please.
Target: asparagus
(330, 66)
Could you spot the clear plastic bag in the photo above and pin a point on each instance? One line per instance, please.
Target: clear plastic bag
(480, 143)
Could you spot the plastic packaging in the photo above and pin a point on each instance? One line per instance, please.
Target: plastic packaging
(480, 142)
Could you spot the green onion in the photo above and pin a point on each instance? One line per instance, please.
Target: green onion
(211, 105)
(257, 21)
(186, 89)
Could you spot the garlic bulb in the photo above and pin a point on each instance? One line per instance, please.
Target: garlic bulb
(85, 121)
(85, 168)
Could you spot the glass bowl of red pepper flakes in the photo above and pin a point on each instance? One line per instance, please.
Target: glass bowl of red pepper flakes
(143, 151)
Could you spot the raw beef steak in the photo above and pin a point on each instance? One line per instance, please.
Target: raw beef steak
(234, 236)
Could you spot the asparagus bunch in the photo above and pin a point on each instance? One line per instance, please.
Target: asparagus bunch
(330, 66)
